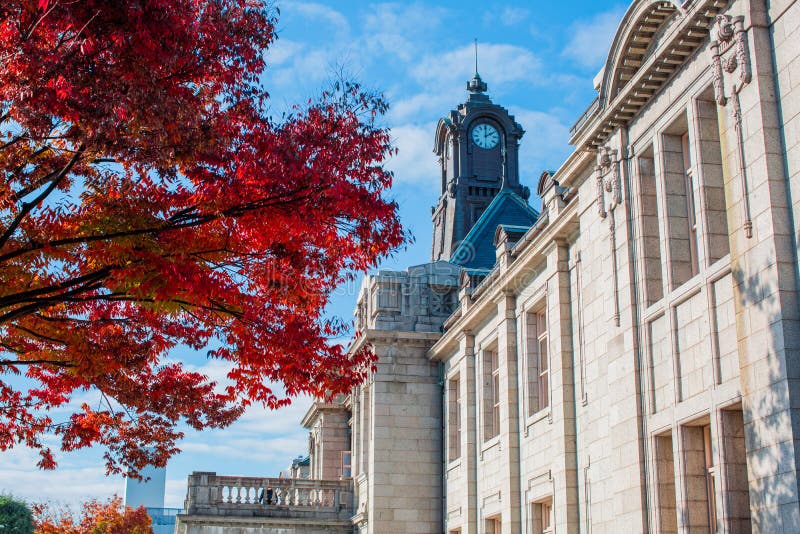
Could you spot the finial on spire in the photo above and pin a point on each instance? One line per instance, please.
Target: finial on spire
(476, 57)
(476, 85)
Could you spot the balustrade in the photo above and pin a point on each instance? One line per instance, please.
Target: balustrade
(227, 495)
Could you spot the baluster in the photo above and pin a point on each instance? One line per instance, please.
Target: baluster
(228, 494)
(247, 495)
(238, 494)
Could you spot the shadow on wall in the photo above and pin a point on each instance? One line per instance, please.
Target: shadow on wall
(771, 454)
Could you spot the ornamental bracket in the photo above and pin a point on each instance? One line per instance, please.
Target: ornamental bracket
(730, 54)
(608, 181)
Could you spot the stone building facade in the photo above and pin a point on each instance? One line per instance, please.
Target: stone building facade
(627, 360)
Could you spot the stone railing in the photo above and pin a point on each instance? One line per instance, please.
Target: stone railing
(211, 494)
(590, 112)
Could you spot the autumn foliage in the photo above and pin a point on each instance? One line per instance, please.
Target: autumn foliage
(96, 517)
(150, 204)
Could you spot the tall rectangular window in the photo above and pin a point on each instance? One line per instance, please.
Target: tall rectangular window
(710, 473)
(691, 211)
(495, 394)
(538, 363)
(734, 470)
(665, 484)
(544, 361)
(347, 467)
(366, 425)
(700, 509)
(713, 179)
(494, 525)
(678, 182)
(542, 515)
(491, 394)
(651, 231)
(454, 418)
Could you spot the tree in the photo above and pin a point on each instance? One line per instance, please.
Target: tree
(111, 517)
(15, 516)
(149, 203)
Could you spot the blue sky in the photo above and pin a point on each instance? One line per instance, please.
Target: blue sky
(539, 59)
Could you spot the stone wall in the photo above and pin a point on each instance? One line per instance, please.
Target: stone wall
(668, 273)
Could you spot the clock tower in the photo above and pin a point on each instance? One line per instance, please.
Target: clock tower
(477, 145)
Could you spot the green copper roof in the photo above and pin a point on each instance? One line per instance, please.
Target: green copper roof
(477, 250)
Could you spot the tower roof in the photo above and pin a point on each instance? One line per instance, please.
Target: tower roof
(477, 250)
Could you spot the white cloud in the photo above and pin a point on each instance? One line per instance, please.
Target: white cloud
(415, 162)
(513, 15)
(283, 51)
(544, 146)
(498, 64)
(423, 104)
(318, 12)
(298, 68)
(79, 477)
(397, 28)
(591, 38)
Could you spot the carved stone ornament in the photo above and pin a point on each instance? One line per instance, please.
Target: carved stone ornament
(730, 54)
(452, 188)
(609, 182)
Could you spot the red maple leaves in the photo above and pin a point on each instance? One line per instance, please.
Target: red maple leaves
(149, 204)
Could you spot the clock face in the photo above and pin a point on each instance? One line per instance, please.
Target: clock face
(485, 136)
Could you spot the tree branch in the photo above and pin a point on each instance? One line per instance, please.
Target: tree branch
(25, 296)
(168, 226)
(55, 363)
(27, 207)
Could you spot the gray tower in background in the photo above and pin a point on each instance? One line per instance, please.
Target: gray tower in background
(149, 493)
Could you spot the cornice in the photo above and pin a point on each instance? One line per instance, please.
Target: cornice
(318, 408)
(682, 42)
(564, 225)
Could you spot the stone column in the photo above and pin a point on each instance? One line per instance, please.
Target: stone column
(562, 387)
(469, 442)
(509, 411)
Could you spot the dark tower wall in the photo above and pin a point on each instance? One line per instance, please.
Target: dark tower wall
(472, 176)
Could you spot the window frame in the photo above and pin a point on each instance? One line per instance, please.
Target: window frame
(691, 205)
(537, 362)
(542, 515)
(490, 393)
(454, 418)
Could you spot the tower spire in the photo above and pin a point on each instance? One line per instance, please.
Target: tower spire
(476, 85)
(476, 57)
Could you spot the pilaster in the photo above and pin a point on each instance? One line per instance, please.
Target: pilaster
(562, 376)
(509, 410)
